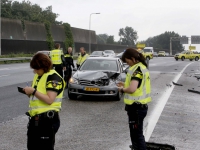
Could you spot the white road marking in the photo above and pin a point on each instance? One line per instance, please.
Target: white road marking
(5, 75)
(153, 119)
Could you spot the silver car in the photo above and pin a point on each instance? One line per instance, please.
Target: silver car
(109, 53)
(97, 76)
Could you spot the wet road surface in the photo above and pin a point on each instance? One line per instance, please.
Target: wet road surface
(101, 124)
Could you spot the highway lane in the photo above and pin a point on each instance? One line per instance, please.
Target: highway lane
(102, 124)
(15, 73)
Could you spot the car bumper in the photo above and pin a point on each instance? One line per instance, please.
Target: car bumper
(107, 91)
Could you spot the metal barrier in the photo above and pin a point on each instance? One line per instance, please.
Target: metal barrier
(5, 60)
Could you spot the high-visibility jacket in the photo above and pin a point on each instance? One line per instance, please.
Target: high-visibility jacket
(81, 59)
(37, 106)
(56, 56)
(142, 93)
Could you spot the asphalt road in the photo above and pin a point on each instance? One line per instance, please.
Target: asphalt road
(173, 115)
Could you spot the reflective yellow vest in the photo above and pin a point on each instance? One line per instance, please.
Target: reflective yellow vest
(142, 94)
(56, 56)
(37, 106)
(81, 59)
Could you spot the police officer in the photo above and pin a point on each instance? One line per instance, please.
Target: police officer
(45, 95)
(69, 64)
(58, 60)
(82, 57)
(136, 89)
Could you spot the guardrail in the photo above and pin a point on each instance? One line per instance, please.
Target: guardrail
(5, 60)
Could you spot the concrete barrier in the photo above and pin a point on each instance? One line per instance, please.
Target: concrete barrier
(35, 31)
(5, 60)
(11, 29)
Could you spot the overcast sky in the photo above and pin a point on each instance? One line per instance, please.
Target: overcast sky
(148, 17)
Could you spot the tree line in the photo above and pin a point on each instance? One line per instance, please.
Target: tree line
(128, 36)
(25, 10)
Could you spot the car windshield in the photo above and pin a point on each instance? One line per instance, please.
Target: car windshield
(96, 53)
(183, 52)
(99, 64)
(146, 50)
(109, 51)
(120, 54)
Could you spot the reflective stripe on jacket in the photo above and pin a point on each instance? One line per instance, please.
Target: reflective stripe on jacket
(68, 55)
(37, 106)
(56, 56)
(142, 93)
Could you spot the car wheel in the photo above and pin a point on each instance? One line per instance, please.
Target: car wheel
(148, 58)
(72, 96)
(118, 97)
(182, 58)
(191, 59)
(176, 59)
(196, 58)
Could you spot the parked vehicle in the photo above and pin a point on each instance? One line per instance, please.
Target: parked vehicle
(161, 53)
(97, 76)
(166, 54)
(147, 55)
(155, 54)
(109, 53)
(45, 52)
(148, 49)
(97, 54)
(187, 55)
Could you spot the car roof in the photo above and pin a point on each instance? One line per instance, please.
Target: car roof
(104, 58)
(97, 51)
(109, 50)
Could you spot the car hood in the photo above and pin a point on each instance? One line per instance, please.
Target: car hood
(93, 75)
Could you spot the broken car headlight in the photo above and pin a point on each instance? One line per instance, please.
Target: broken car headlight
(73, 81)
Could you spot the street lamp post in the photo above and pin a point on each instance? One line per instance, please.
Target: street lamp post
(90, 32)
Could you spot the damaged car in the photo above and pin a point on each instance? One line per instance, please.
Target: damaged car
(97, 76)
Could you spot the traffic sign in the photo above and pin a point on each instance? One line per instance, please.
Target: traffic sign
(184, 40)
(195, 39)
(192, 47)
(140, 45)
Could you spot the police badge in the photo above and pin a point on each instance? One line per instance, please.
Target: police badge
(54, 83)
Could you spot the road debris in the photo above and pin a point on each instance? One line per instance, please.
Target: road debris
(193, 91)
(177, 84)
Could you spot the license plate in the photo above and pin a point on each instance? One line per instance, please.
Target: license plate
(91, 89)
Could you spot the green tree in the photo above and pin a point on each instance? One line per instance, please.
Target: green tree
(162, 41)
(25, 10)
(128, 36)
(6, 8)
(110, 40)
(50, 41)
(102, 38)
(69, 42)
